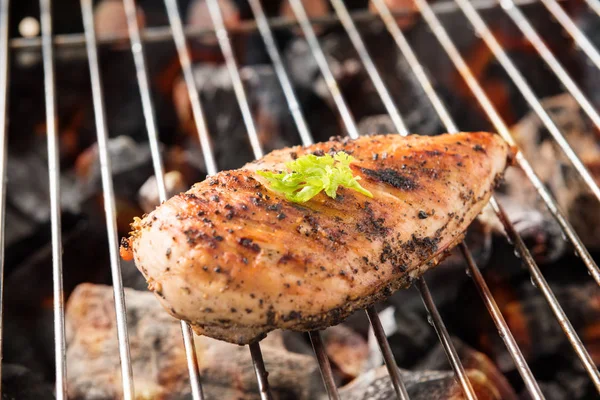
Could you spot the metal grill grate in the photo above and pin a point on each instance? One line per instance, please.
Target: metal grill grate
(177, 32)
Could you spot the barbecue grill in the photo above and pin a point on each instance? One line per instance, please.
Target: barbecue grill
(264, 26)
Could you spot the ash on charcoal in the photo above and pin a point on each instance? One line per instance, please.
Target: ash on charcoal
(557, 173)
(347, 350)
(471, 359)
(28, 188)
(355, 84)
(420, 385)
(376, 125)
(274, 124)
(148, 193)
(18, 383)
(198, 16)
(409, 334)
(131, 166)
(530, 217)
(158, 356)
(27, 202)
(507, 99)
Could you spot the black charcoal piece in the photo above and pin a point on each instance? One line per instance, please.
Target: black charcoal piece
(355, 84)
(20, 383)
(274, 124)
(421, 385)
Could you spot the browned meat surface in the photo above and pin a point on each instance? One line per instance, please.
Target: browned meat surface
(238, 260)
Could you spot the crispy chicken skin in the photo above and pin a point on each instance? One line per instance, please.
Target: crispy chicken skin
(237, 260)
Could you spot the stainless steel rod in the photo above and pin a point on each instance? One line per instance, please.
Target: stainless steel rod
(442, 36)
(234, 73)
(352, 130)
(534, 38)
(446, 42)
(307, 139)
(346, 20)
(444, 336)
(60, 350)
(186, 66)
(242, 99)
(4, 74)
(503, 330)
(416, 67)
(294, 106)
(594, 5)
(188, 76)
(137, 50)
(109, 199)
(540, 283)
(578, 36)
(388, 356)
(484, 32)
(324, 365)
(317, 52)
(261, 372)
(164, 33)
(531, 385)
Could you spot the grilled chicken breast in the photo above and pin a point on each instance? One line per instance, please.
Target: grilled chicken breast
(237, 260)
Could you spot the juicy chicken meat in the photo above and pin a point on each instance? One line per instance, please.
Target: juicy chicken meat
(237, 260)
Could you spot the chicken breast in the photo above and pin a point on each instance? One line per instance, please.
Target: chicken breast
(237, 260)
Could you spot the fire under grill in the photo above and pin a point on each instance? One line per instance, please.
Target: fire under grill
(264, 27)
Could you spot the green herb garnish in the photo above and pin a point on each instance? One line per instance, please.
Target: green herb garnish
(309, 174)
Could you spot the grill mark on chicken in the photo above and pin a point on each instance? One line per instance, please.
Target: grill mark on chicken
(390, 177)
(225, 246)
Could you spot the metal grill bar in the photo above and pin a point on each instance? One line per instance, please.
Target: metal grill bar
(524, 25)
(567, 23)
(226, 49)
(188, 76)
(261, 372)
(594, 5)
(164, 33)
(352, 130)
(313, 42)
(55, 211)
(462, 67)
(415, 66)
(265, 31)
(457, 59)
(482, 29)
(234, 72)
(4, 66)
(262, 24)
(324, 366)
(436, 320)
(484, 291)
(388, 356)
(307, 139)
(109, 199)
(524, 370)
(369, 65)
(139, 59)
(186, 66)
(541, 283)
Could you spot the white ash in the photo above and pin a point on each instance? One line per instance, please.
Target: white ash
(148, 194)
